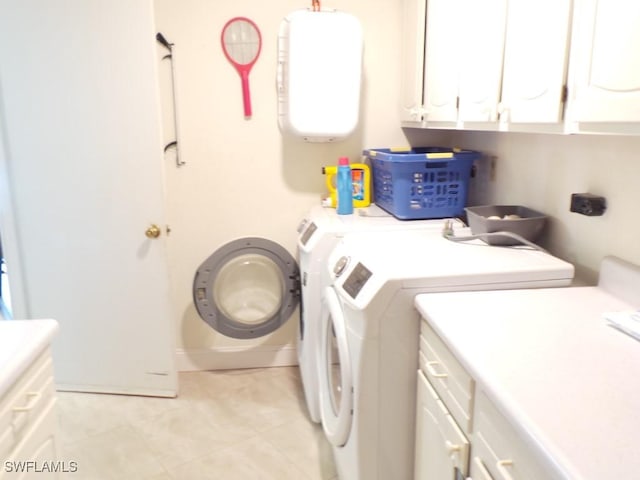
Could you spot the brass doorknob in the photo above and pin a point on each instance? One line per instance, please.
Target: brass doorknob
(153, 231)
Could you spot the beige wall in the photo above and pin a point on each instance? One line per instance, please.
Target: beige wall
(241, 177)
(542, 171)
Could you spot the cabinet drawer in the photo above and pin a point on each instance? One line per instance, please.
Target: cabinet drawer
(38, 446)
(442, 450)
(498, 449)
(452, 382)
(24, 402)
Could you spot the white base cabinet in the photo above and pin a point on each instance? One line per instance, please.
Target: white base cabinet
(460, 433)
(443, 412)
(498, 449)
(28, 425)
(442, 449)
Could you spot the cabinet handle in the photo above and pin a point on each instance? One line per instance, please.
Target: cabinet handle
(417, 111)
(33, 400)
(20, 417)
(452, 447)
(432, 371)
(502, 465)
(482, 469)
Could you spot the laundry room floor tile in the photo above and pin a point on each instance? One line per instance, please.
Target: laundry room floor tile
(253, 458)
(233, 424)
(304, 444)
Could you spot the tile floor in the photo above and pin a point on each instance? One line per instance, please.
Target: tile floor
(224, 425)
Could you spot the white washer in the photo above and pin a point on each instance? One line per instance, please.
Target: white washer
(319, 233)
(368, 390)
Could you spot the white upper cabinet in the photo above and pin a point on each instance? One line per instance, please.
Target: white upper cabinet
(496, 64)
(464, 42)
(413, 28)
(605, 70)
(535, 61)
(480, 32)
(544, 66)
(441, 63)
(495, 60)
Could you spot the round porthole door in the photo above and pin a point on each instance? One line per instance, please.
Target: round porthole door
(247, 288)
(335, 372)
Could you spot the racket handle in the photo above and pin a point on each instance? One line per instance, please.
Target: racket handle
(246, 94)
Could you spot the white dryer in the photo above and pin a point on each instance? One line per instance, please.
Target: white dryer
(319, 233)
(368, 388)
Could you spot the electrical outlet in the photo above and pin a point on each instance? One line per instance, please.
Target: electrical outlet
(588, 204)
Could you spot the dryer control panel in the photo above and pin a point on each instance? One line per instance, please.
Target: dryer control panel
(309, 231)
(356, 280)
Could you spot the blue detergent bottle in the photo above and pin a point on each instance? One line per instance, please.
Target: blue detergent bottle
(344, 185)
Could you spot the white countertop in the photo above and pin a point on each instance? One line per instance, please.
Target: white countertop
(21, 341)
(568, 382)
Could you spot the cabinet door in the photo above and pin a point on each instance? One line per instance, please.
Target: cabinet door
(536, 51)
(36, 457)
(413, 25)
(480, 29)
(502, 450)
(606, 79)
(441, 69)
(442, 450)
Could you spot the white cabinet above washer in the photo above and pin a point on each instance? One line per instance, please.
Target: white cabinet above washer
(493, 63)
(480, 33)
(555, 66)
(463, 60)
(605, 70)
(535, 62)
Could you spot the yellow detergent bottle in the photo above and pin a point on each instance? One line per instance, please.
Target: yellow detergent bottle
(361, 176)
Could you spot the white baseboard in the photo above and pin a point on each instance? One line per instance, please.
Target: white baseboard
(226, 358)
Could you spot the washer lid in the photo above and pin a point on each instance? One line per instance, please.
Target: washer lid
(247, 288)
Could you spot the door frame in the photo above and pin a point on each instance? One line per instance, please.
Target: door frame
(8, 230)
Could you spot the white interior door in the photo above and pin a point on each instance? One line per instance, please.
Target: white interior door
(84, 154)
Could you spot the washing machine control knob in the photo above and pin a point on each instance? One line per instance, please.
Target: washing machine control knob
(301, 226)
(340, 265)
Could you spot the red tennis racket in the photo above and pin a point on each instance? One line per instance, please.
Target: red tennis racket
(241, 43)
